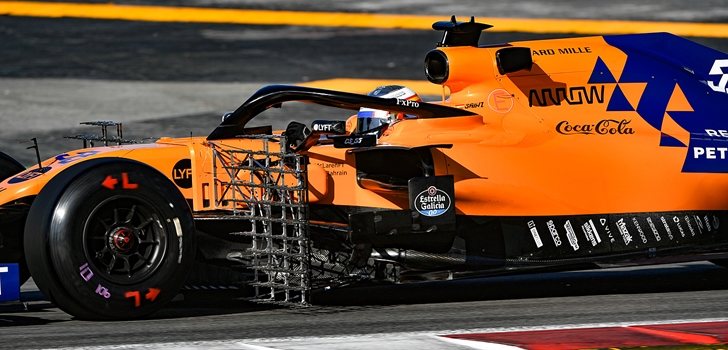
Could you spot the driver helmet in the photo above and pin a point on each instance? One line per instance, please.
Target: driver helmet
(374, 121)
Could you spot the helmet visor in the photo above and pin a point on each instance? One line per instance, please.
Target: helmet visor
(371, 121)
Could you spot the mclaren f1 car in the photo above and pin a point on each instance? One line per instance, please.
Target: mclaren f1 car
(595, 151)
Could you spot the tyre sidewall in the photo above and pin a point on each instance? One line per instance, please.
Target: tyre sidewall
(86, 292)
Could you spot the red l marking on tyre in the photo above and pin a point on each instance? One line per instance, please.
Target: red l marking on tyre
(126, 184)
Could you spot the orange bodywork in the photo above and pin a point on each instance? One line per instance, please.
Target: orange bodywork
(512, 159)
(539, 154)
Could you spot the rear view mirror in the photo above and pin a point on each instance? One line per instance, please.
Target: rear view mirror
(513, 59)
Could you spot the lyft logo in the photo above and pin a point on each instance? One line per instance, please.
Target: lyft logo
(717, 69)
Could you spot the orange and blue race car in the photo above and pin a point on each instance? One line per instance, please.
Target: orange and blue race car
(606, 150)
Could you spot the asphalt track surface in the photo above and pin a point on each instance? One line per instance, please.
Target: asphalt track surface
(176, 79)
(674, 292)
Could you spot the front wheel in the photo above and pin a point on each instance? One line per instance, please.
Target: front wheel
(110, 240)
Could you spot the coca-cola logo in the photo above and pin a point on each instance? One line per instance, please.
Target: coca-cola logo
(602, 127)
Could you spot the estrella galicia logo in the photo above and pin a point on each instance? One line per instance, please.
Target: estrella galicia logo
(28, 175)
(432, 202)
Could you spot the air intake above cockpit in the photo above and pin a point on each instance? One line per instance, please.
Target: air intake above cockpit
(460, 33)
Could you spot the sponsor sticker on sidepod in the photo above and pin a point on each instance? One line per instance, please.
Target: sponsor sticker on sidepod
(432, 202)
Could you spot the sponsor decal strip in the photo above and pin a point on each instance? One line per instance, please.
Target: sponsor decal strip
(340, 19)
(605, 225)
(554, 233)
(571, 235)
(654, 229)
(596, 232)
(614, 233)
(590, 232)
(626, 236)
(643, 237)
(534, 233)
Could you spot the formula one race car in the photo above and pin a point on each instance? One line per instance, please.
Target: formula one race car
(553, 153)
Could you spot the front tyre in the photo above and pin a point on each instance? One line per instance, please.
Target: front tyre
(110, 239)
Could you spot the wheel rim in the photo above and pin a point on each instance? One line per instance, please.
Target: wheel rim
(124, 239)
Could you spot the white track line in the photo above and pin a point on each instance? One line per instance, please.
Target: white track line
(254, 347)
(478, 345)
(403, 340)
